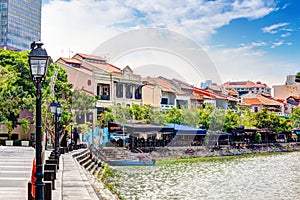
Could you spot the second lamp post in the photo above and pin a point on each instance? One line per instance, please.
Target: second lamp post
(71, 132)
(56, 110)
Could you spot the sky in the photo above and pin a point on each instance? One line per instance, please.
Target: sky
(255, 40)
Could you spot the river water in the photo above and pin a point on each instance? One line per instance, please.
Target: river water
(275, 176)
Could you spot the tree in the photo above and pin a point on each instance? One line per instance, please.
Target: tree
(269, 120)
(62, 93)
(295, 117)
(16, 87)
(203, 116)
(190, 117)
(137, 112)
(216, 120)
(246, 118)
(297, 77)
(25, 126)
(231, 121)
(174, 116)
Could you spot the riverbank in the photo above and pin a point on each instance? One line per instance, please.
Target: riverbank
(258, 176)
(223, 152)
(176, 156)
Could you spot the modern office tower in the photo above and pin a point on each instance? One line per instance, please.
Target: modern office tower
(20, 23)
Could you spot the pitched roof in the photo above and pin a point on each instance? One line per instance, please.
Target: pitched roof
(183, 85)
(244, 84)
(70, 60)
(297, 98)
(107, 67)
(196, 96)
(166, 85)
(261, 100)
(212, 95)
(232, 92)
(90, 57)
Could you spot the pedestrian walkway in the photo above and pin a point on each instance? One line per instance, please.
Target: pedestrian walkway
(75, 185)
(15, 171)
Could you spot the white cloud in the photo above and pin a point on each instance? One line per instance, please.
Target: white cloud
(277, 44)
(81, 25)
(273, 28)
(237, 65)
(286, 34)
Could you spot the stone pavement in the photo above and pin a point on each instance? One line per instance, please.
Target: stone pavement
(74, 183)
(15, 171)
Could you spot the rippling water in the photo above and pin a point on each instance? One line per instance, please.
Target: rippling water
(261, 177)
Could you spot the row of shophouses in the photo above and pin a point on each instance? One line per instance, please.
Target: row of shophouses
(112, 85)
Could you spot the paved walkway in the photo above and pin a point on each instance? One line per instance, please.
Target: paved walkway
(75, 184)
(15, 172)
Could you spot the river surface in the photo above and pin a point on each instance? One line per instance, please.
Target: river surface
(271, 177)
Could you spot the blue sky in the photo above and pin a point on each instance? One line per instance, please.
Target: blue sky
(254, 40)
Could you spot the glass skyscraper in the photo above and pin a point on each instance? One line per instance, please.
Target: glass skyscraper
(20, 23)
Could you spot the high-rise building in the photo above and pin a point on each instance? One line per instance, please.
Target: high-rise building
(20, 23)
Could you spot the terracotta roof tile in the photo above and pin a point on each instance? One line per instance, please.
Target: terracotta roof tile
(166, 86)
(107, 67)
(261, 100)
(244, 84)
(252, 101)
(71, 60)
(196, 96)
(90, 56)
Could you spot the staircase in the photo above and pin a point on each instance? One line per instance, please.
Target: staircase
(94, 168)
(117, 153)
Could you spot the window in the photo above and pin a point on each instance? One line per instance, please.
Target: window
(138, 93)
(119, 90)
(164, 101)
(103, 90)
(129, 91)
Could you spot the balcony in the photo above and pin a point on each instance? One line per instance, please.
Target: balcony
(166, 106)
(103, 97)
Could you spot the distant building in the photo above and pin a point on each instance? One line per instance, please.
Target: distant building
(108, 83)
(20, 23)
(206, 84)
(257, 102)
(290, 88)
(172, 96)
(244, 87)
(223, 101)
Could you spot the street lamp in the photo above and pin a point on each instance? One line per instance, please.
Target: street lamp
(38, 61)
(56, 110)
(71, 124)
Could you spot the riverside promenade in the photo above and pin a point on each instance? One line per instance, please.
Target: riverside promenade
(15, 172)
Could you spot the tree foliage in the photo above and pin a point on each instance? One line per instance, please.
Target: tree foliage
(16, 87)
(297, 77)
(269, 120)
(296, 117)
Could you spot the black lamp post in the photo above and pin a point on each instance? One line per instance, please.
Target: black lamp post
(56, 110)
(71, 124)
(38, 61)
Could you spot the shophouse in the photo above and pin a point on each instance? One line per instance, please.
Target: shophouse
(244, 87)
(109, 84)
(172, 96)
(290, 88)
(257, 102)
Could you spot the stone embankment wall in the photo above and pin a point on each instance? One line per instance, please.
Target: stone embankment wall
(202, 151)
